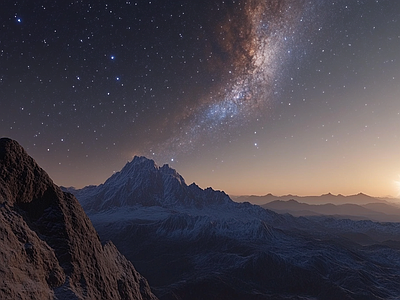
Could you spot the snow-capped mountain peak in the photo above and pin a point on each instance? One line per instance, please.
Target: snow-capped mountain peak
(143, 182)
(142, 166)
(200, 235)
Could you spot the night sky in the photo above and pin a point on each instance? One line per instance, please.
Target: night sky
(250, 97)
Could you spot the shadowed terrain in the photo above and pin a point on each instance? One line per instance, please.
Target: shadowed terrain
(48, 246)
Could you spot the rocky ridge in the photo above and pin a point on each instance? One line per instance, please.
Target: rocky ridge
(48, 246)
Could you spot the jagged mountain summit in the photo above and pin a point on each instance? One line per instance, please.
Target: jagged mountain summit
(147, 191)
(199, 244)
(48, 246)
(142, 182)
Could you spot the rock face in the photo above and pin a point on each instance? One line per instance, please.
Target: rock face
(48, 246)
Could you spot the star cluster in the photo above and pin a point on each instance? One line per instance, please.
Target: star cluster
(288, 89)
(267, 33)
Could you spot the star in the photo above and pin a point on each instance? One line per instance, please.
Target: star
(196, 80)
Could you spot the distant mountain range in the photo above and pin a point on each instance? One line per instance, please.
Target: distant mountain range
(193, 244)
(379, 212)
(359, 199)
(48, 246)
(355, 207)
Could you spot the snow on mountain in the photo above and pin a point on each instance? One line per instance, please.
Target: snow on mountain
(142, 182)
(144, 191)
(199, 244)
(149, 192)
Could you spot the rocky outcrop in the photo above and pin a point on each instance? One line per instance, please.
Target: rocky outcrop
(48, 246)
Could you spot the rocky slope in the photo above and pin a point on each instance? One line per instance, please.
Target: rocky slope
(199, 244)
(48, 246)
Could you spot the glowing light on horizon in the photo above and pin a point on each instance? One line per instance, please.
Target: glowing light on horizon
(397, 183)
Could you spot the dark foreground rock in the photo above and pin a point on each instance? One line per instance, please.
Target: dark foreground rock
(48, 246)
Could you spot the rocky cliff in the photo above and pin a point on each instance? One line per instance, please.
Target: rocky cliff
(48, 246)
